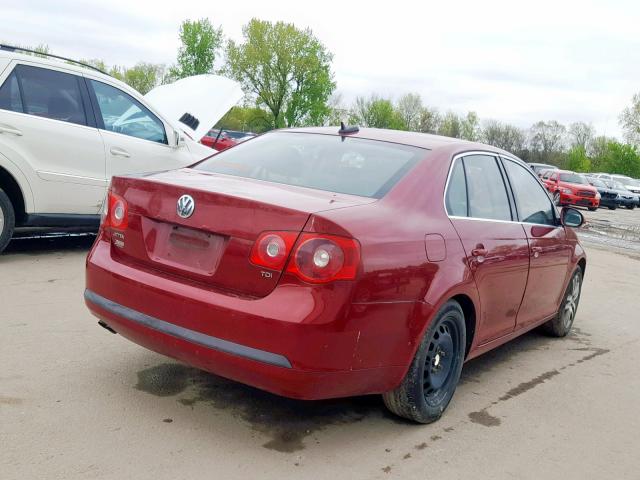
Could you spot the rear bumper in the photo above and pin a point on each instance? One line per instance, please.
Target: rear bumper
(300, 342)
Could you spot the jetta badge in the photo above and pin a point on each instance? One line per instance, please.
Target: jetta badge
(186, 206)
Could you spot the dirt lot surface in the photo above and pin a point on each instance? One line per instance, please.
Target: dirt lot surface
(77, 402)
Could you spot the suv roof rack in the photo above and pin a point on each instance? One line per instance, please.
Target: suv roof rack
(11, 48)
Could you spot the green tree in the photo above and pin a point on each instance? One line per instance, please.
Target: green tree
(450, 126)
(429, 121)
(201, 42)
(286, 69)
(246, 119)
(143, 76)
(630, 121)
(470, 127)
(376, 112)
(623, 159)
(577, 159)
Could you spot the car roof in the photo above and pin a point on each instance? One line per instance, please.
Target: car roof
(415, 139)
(54, 62)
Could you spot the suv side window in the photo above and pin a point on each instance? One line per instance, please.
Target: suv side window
(486, 188)
(534, 205)
(121, 113)
(10, 94)
(51, 94)
(456, 198)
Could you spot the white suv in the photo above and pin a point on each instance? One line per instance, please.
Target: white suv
(66, 129)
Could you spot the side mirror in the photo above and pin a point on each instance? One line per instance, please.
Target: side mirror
(175, 138)
(570, 217)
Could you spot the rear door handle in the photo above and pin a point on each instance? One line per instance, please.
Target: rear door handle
(119, 152)
(11, 130)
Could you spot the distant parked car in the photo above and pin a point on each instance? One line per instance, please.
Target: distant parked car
(609, 197)
(539, 167)
(319, 263)
(221, 140)
(627, 198)
(571, 188)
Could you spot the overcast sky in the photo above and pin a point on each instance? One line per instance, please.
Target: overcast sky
(517, 62)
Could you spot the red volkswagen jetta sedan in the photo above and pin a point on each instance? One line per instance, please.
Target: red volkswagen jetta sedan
(317, 263)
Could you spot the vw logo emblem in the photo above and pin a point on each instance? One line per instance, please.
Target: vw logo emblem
(186, 206)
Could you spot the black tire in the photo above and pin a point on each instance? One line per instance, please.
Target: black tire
(592, 209)
(7, 220)
(612, 208)
(556, 199)
(561, 324)
(631, 207)
(425, 393)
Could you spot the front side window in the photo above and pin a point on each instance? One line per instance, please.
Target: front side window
(355, 166)
(121, 113)
(486, 188)
(10, 94)
(534, 205)
(51, 94)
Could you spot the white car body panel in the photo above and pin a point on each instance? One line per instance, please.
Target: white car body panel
(65, 168)
(205, 97)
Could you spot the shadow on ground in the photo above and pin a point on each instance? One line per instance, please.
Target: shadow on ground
(286, 422)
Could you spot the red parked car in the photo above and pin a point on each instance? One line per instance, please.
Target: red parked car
(317, 263)
(223, 139)
(570, 188)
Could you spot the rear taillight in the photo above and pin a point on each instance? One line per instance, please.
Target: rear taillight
(117, 212)
(314, 258)
(271, 249)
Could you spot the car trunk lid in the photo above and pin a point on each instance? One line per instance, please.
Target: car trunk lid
(213, 244)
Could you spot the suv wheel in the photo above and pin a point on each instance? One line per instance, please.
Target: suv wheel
(433, 375)
(7, 220)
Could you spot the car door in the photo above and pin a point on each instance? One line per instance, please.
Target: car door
(550, 251)
(136, 139)
(48, 131)
(480, 209)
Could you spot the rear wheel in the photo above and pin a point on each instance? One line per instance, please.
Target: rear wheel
(7, 220)
(612, 207)
(561, 324)
(631, 207)
(428, 386)
(592, 209)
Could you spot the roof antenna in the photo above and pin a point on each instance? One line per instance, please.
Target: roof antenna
(347, 129)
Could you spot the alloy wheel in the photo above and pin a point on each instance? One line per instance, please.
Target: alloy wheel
(571, 302)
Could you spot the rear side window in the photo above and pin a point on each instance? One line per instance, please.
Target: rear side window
(456, 198)
(51, 94)
(10, 94)
(487, 193)
(354, 166)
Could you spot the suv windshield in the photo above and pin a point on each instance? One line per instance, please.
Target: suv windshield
(573, 178)
(597, 183)
(354, 166)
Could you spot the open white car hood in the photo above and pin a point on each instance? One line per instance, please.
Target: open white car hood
(196, 104)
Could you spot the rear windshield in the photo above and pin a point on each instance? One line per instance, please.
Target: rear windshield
(354, 166)
(572, 178)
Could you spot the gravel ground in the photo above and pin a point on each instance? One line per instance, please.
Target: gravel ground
(77, 402)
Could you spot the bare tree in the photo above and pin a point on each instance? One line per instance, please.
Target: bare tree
(581, 134)
(547, 140)
(507, 137)
(630, 121)
(409, 108)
